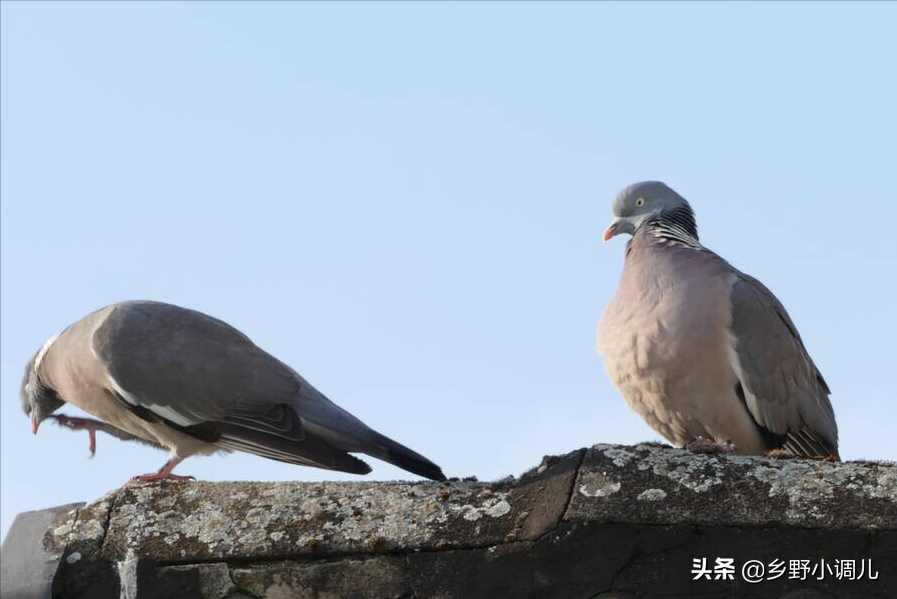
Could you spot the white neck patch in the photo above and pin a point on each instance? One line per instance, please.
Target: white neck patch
(42, 351)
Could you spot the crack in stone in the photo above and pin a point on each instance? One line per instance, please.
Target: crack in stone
(570, 493)
(107, 520)
(638, 554)
(411, 585)
(614, 581)
(571, 490)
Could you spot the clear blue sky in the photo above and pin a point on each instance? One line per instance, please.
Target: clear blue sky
(405, 201)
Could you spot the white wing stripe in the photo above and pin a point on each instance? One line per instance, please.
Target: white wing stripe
(162, 411)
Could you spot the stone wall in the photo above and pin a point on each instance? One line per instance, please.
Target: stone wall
(609, 521)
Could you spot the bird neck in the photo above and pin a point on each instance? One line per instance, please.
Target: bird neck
(675, 226)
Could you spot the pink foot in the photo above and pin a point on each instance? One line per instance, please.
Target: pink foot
(79, 424)
(702, 444)
(163, 473)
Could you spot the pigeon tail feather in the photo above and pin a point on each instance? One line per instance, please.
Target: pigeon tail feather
(386, 449)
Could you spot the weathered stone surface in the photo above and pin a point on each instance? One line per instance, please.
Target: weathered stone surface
(609, 522)
(651, 484)
(177, 521)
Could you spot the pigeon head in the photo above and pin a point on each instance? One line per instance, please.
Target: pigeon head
(654, 203)
(38, 400)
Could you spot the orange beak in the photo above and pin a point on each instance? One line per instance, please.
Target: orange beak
(35, 424)
(615, 228)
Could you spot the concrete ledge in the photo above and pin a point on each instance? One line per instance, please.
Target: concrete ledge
(609, 521)
(28, 567)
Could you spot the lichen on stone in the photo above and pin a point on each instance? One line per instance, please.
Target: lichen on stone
(652, 495)
(597, 484)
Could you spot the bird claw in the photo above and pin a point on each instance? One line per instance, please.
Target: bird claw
(79, 424)
(779, 454)
(702, 444)
(163, 473)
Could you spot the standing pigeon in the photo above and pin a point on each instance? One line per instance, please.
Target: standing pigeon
(182, 380)
(703, 352)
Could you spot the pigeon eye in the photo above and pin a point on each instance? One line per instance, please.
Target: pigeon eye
(640, 202)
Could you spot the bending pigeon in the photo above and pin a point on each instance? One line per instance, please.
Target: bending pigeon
(701, 350)
(185, 381)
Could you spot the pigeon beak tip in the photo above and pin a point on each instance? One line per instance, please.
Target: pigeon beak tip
(618, 225)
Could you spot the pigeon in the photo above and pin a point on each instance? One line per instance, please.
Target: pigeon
(184, 381)
(703, 352)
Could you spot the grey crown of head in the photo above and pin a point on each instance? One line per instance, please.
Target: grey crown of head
(658, 197)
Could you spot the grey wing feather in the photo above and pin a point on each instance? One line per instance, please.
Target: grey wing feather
(782, 388)
(189, 368)
(203, 377)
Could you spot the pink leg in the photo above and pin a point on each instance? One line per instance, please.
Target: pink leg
(163, 473)
(79, 424)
